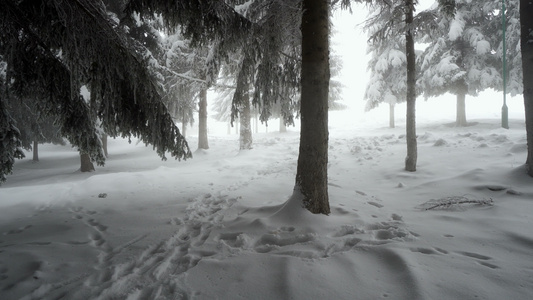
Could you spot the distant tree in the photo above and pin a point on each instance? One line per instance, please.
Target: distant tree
(459, 58)
(35, 128)
(335, 85)
(388, 76)
(526, 42)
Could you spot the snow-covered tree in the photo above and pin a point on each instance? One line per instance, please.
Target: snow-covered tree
(388, 76)
(513, 67)
(56, 47)
(460, 58)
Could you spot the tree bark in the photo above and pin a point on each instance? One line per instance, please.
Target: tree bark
(104, 144)
(282, 126)
(311, 174)
(526, 40)
(391, 115)
(256, 117)
(86, 164)
(410, 160)
(202, 120)
(460, 117)
(246, 126)
(35, 151)
(184, 123)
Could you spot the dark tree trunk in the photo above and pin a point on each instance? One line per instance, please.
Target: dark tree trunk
(35, 151)
(104, 144)
(312, 172)
(460, 117)
(412, 155)
(246, 126)
(391, 115)
(86, 164)
(202, 120)
(526, 40)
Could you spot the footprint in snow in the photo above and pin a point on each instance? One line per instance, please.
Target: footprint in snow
(18, 230)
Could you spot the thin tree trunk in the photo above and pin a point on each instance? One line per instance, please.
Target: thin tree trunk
(202, 120)
(312, 171)
(391, 115)
(410, 160)
(282, 126)
(256, 116)
(246, 126)
(86, 164)
(460, 120)
(229, 127)
(526, 40)
(104, 144)
(35, 151)
(184, 124)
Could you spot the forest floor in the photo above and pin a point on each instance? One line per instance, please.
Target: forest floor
(221, 226)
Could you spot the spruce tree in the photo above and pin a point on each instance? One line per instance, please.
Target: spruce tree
(55, 47)
(459, 58)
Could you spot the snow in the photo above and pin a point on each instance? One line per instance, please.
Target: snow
(227, 224)
(456, 27)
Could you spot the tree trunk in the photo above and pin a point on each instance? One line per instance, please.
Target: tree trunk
(229, 127)
(86, 164)
(35, 151)
(312, 171)
(202, 120)
(410, 160)
(256, 116)
(391, 115)
(104, 144)
(526, 40)
(282, 126)
(460, 120)
(246, 126)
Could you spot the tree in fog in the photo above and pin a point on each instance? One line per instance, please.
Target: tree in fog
(393, 19)
(459, 58)
(388, 76)
(513, 76)
(55, 48)
(526, 42)
(34, 127)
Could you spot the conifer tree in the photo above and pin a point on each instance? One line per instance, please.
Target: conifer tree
(55, 47)
(459, 58)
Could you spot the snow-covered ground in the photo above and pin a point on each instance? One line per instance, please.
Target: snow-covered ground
(215, 227)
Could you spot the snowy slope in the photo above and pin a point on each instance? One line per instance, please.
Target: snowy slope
(222, 226)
